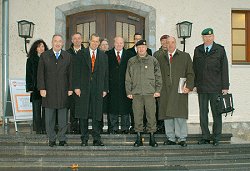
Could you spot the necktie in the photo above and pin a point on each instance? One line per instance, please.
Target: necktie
(206, 50)
(118, 57)
(170, 58)
(57, 55)
(93, 60)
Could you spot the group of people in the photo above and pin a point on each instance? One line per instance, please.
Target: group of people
(129, 84)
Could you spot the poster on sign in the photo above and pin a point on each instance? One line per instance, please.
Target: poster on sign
(20, 100)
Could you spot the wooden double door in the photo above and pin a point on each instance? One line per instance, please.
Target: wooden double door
(106, 23)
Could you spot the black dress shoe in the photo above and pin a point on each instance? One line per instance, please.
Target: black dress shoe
(63, 143)
(97, 143)
(216, 143)
(125, 131)
(132, 130)
(204, 141)
(113, 132)
(183, 143)
(84, 143)
(168, 142)
(138, 143)
(52, 143)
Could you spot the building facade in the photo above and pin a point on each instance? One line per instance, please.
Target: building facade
(160, 17)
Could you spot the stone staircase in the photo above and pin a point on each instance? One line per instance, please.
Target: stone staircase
(31, 152)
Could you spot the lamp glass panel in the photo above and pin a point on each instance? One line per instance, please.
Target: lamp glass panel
(184, 30)
(31, 30)
(26, 29)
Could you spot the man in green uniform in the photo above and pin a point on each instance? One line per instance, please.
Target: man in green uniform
(143, 84)
(211, 79)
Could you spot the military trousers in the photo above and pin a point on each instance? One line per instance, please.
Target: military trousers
(139, 102)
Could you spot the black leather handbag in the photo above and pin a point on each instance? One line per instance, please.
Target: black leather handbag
(225, 104)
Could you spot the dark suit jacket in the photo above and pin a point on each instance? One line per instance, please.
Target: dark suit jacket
(55, 76)
(211, 69)
(133, 52)
(92, 85)
(118, 101)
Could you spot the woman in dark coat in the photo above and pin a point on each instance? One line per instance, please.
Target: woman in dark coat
(37, 48)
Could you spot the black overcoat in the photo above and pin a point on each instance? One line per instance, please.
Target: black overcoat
(55, 76)
(31, 77)
(87, 82)
(118, 103)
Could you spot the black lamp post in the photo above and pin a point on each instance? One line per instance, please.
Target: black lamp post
(184, 31)
(25, 30)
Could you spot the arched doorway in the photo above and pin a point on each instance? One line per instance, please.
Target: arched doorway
(78, 6)
(107, 23)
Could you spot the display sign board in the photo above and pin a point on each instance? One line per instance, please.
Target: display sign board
(20, 100)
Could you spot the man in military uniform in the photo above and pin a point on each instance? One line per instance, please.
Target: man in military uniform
(133, 52)
(161, 52)
(143, 84)
(211, 79)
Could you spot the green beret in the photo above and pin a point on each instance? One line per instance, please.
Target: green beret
(141, 42)
(207, 31)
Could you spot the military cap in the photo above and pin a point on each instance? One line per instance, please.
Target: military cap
(141, 42)
(164, 37)
(207, 31)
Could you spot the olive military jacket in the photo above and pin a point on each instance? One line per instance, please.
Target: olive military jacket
(143, 76)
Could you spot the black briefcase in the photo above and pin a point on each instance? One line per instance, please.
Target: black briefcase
(225, 104)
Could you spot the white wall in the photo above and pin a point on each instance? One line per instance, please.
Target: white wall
(1, 57)
(202, 13)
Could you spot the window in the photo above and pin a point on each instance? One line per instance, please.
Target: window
(86, 29)
(240, 37)
(126, 31)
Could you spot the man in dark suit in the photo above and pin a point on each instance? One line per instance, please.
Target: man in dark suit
(119, 104)
(54, 82)
(76, 46)
(90, 83)
(133, 52)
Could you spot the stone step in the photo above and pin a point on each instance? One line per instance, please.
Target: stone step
(30, 151)
(108, 139)
(225, 156)
(173, 150)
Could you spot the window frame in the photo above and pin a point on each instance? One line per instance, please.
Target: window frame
(247, 36)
